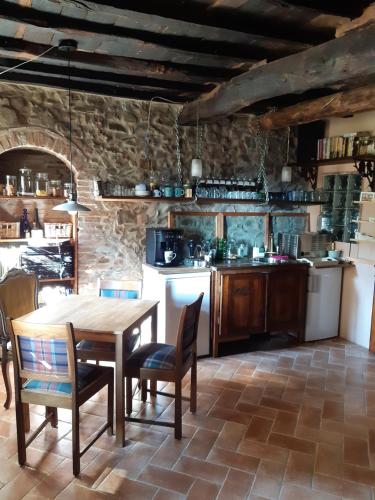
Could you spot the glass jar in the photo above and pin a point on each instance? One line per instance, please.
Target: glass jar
(25, 185)
(10, 185)
(55, 187)
(41, 184)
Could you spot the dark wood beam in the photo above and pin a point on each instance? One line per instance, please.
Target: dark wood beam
(23, 51)
(367, 17)
(120, 41)
(339, 104)
(271, 18)
(330, 64)
(334, 7)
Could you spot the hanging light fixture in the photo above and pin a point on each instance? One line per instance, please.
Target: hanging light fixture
(286, 171)
(71, 205)
(196, 163)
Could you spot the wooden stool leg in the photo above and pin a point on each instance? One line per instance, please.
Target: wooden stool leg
(177, 410)
(129, 396)
(144, 390)
(5, 370)
(21, 442)
(193, 387)
(110, 407)
(75, 441)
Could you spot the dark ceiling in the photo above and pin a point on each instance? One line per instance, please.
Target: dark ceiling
(176, 49)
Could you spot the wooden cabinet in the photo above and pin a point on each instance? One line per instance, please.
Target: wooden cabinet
(257, 300)
(243, 304)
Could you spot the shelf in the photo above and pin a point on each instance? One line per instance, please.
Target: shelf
(203, 201)
(55, 280)
(363, 221)
(32, 198)
(336, 161)
(365, 240)
(30, 240)
(365, 202)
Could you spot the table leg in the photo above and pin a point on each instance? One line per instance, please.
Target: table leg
(154, 338)
(120, 390)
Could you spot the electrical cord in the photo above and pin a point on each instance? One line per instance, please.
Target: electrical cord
(29, 61)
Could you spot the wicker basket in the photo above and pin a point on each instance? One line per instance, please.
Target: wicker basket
(58, 229)
(9, 230)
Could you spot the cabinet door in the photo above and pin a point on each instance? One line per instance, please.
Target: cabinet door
(243, 304)
(286, 300)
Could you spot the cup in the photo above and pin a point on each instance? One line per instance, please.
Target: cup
(179, 191)
(169, 255)
(168, 191)
(156, 193)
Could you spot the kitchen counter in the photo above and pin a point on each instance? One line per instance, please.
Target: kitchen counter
(249, 263)
(178, 269)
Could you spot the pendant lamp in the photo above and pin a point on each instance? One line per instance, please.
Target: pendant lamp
(286, 171)
(71, 205)
(196, 163)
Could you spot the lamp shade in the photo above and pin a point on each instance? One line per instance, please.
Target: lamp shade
(286, 174)
(196, 167)
(71, 206)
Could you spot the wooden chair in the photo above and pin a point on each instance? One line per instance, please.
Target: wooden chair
(45, 356)
(167, 363)
(105, 351)
(18, 296)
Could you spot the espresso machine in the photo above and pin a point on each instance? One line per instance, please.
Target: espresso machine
(160, 240)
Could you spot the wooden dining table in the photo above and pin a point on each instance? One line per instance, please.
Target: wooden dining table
(104, 320)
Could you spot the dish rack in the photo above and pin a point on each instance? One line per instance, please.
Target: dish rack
(9, 230)
(58, 229)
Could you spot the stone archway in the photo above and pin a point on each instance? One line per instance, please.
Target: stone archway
(44, 140)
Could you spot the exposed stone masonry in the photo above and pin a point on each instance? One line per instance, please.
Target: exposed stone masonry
(108, 136)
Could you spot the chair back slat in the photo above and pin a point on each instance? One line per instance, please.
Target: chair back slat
(18, 296)
(188, 329)
(123, 289)
(44, 352)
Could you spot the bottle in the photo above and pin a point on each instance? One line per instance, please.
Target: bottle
(262, 250)
(37, 230)
(25, 227)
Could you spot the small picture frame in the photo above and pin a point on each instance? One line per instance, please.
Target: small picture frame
(367, 196)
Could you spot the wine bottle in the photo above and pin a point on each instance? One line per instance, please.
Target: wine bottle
(25, 227)
(37, 224)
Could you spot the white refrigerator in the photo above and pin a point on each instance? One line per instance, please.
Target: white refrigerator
(323, 302)
(174, 290)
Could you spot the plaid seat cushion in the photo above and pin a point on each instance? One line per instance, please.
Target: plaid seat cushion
(89, 345)
(86, 374)
(119, 294)
(154, 355)
(43, 355)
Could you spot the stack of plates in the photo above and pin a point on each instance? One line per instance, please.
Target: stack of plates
(142, 193)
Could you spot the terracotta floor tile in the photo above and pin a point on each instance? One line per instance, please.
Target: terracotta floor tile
(228, 399)
(201, 443)
(132, 462)
(234, 459)
(333, 410)
(203, 489)
(346, 489)
(268, 480)
(299, 469)
(169, 452)
(168, 495)
(356, 451)
(75, 490)
(252, 394)
(285, 423)
(205, 470)
(206, 422)
(230, 436)
(260, 411)
(310, 417)
(123, 487)
(230, 415)
(54, 483)
(358, 474)
(236, 486)
(294, 492)
(168, 479)
(292, 443)
(319, 435)
(264, 451)
(329, 460)
(280, 405)
(259, 429)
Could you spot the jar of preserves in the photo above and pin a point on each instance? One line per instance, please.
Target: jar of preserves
(55, 187)
(10, 185)
(41, 184)
(25, 184)
(67, 189)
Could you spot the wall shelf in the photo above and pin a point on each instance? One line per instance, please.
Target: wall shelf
(32, 198)
(203, 201)
(55, 280)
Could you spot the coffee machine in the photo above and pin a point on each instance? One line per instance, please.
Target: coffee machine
(160, 240)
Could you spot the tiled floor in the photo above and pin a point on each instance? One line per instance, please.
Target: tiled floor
(291, 424)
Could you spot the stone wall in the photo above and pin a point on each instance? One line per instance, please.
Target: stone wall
(108, 135)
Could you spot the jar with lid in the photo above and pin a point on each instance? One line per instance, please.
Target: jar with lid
(55, 187)
(10, 185)
(67, 190)
(41, 184)
(25, 185)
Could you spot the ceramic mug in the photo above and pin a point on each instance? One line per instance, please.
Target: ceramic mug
(169, 255)
(156, 193)
(168, 191)
(179, 191)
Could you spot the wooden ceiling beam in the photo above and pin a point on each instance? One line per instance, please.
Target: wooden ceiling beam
(333, 7)
(367, 17)
(327, 65)
(23, 50)
(96, 36)
(342, 103)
